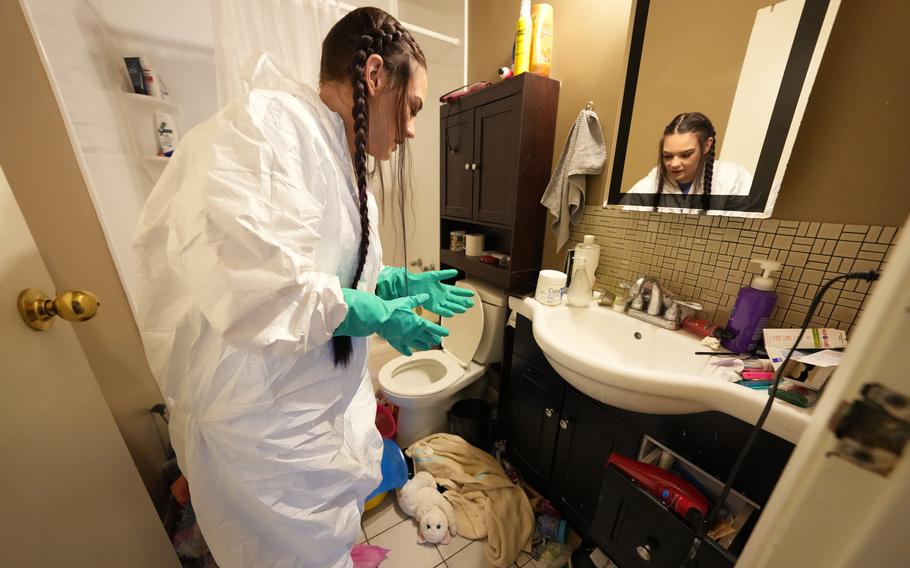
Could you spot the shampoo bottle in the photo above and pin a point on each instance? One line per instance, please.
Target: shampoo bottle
(523, 39)
(752, 309)
(589, 251)
(542, 39)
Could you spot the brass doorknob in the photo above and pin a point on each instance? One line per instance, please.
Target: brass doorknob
(38, 311)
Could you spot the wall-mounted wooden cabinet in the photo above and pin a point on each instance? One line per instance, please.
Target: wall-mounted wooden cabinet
(496, 149)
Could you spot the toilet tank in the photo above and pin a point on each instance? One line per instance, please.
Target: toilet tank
(495, 305)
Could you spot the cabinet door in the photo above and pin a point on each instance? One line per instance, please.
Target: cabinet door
(496, 151)
(587, 435)
(457, 158)
(532, 420)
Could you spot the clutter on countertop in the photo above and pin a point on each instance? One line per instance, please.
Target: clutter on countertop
(811, 368)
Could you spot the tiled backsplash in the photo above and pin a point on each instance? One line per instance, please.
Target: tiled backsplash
(706, 259)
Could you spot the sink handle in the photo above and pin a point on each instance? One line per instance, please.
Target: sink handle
(673, 312)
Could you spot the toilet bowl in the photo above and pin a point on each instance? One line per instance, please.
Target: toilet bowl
(425, 385)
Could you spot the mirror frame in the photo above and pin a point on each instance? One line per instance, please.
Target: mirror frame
(809, 42)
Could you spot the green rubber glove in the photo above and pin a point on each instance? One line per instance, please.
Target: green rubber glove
(445, 300)
(393, 320)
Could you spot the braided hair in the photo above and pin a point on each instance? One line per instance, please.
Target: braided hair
(701, 126)
(361, 33)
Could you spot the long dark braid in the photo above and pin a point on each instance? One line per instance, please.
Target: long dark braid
(373, 31)
(701, 125)
(708, 172)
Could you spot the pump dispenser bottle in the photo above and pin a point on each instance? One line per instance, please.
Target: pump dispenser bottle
(752, 309)
(590, 251)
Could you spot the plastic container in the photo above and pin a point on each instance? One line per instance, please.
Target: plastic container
(385, 422)
(541, 39)
(752, 309)
(579, 293)
(552, 528)
(470, 419)
(549, 287)
(590, 251)
(523, 39)
(394, 473)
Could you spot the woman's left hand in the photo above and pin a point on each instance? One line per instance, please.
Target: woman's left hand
(445, 300)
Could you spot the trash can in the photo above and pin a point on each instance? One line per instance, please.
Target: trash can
(470, 419)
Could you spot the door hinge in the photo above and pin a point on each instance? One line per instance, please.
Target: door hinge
(873, 430)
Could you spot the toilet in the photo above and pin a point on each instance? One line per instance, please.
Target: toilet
(425, 385)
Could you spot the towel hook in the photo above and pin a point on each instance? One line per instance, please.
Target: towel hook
(590, 105)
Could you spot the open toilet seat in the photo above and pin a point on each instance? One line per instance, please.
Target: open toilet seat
(425, 373)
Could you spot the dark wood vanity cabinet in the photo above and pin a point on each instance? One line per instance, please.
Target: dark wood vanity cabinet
(496, 149)
(560, 440)
(558, 437)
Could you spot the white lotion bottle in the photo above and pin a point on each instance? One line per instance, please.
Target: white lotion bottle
(590, 251)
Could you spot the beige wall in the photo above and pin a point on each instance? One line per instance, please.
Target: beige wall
(849, 162)
(38, 159)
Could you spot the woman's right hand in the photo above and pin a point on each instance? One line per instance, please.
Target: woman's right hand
(394, 320)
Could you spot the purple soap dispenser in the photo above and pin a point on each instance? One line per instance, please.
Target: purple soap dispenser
(752, 309)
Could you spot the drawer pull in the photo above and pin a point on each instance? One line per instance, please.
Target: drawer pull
(564, 424)
(467, 166)
(548, 412)
(644, 552)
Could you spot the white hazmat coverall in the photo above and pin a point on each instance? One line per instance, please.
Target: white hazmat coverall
(243, 247)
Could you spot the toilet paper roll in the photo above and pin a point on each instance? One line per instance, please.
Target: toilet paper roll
(473, 244)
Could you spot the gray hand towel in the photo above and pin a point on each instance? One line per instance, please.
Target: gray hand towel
(584, 154)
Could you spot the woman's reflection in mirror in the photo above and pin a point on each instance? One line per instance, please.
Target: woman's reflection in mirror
(686, 164)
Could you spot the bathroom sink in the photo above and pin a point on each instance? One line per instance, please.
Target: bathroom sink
(637, 366)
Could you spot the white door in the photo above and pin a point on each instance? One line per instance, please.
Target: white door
(827, 510)
(69, 492)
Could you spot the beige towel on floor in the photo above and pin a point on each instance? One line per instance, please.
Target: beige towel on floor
(486, 502)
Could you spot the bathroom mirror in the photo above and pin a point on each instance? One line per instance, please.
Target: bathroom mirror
(748, 66)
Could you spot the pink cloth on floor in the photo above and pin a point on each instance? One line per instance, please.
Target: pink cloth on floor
(368, 556)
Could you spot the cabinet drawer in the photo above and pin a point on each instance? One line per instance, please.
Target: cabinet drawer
(636, 530)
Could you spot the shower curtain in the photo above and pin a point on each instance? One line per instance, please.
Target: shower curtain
(292, 30)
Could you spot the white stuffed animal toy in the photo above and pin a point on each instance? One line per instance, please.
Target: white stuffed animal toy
(435, 515)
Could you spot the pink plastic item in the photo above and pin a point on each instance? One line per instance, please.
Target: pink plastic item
(385, 422)
(368, 556)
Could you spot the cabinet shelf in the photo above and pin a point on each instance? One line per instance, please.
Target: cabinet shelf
(471, 265)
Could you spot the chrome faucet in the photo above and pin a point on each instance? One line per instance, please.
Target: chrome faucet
(637, 293)
(663, 309)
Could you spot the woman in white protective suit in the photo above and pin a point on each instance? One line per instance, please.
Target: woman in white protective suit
(261, 278)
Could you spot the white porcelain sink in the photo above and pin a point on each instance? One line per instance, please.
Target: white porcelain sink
(637, 366)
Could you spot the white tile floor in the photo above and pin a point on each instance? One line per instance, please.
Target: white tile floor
(387, 526)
